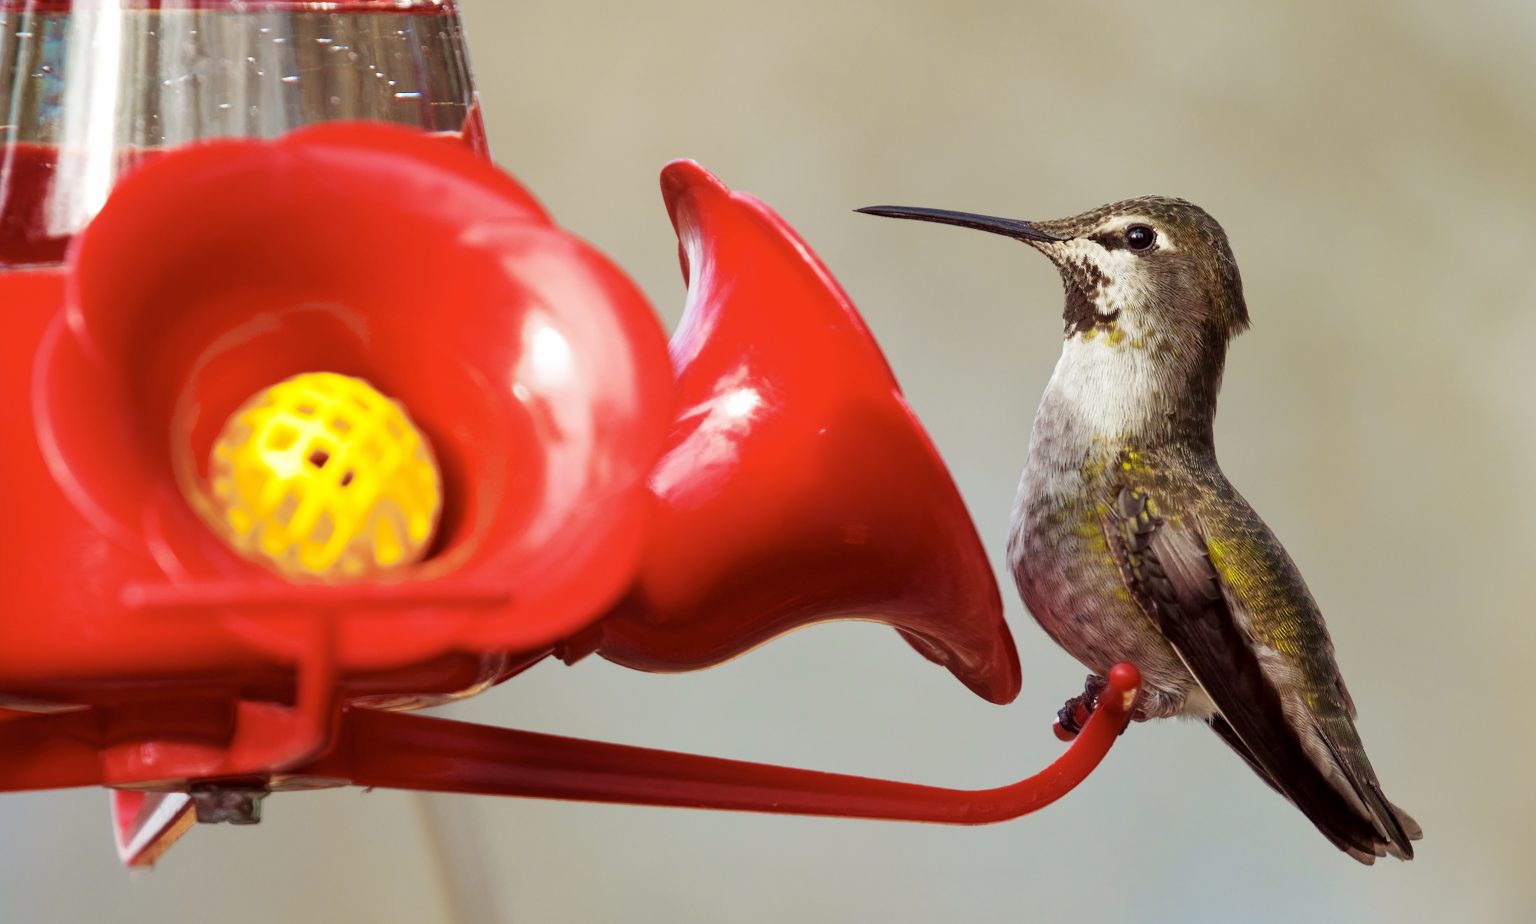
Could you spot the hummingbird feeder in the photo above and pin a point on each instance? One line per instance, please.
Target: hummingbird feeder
(312, 420)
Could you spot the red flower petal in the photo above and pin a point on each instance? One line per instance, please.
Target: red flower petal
(536, 368)
(797, 485)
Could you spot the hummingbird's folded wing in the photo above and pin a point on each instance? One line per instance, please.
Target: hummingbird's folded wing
(1169, 571)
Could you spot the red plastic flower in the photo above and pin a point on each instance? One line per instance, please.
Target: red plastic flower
(536, 368)
(797, 485)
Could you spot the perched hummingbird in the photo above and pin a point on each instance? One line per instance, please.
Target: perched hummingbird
(1129, 544)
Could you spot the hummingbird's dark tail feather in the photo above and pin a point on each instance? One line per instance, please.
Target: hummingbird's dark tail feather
(1396, 828)
(1329, 830)
(1405, 820)
(1338, 733)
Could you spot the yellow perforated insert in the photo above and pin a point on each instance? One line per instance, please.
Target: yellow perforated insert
(322, 476)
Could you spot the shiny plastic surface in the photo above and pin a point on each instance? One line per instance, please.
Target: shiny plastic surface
(797, 485)
(537, 370)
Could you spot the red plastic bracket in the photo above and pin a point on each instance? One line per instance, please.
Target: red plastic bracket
(402, 751)
(146, 824)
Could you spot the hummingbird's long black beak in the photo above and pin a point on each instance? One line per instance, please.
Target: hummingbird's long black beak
(1008, 227)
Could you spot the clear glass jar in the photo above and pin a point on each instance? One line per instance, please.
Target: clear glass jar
(88, 88)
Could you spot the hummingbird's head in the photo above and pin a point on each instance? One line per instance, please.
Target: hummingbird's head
(1153, 300)
(1155, 269)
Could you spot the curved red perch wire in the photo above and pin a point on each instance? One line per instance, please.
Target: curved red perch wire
(401, 751)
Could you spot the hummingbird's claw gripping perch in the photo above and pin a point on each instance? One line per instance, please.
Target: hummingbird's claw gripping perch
(1070, 718)
(1075, 712)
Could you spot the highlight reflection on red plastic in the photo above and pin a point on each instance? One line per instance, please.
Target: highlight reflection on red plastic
(797, 485)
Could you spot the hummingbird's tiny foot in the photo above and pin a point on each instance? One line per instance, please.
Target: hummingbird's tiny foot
(1075, 712)
(1070, 718)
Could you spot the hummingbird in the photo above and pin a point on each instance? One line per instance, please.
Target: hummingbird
(1127, 541)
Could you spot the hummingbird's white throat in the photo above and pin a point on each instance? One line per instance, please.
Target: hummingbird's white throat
(1107, 383)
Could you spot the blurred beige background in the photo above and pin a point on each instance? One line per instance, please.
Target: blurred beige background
(1375, 172)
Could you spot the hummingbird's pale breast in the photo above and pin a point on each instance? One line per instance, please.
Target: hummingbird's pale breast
(1100, 394)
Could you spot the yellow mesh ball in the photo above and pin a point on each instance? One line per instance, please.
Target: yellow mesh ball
(322, 476)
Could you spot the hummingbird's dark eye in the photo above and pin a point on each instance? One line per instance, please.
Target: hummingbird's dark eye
(1140, 237)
